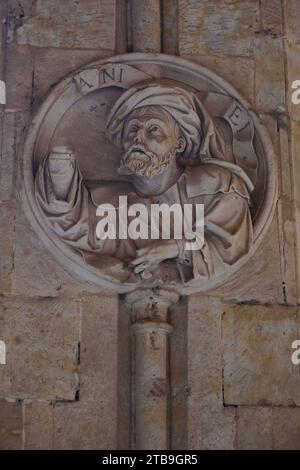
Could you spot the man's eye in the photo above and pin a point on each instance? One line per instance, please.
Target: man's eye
(155, 130)
(133, 129)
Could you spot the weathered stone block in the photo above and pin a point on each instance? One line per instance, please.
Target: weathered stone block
(221, 27)
(24, 8)
(204, 348)
(238, 71)
(214, 428)
(19, 78)
(257, 342)
(271, 17)
(292, 12)
(260, 280)
(16, 13)
(52, 65)
(38, 425)
(7, 243)
(36, 271)
(268, 428)
(269, 74)
(210, 425)
(283, 228)
(254, 428)
(82, 426)
(91, 423)
(70, 7)
(286, 428)
(293, 74)
(10, 425)
(295, 129)
(286, 213)
(41, 337)
(71, 24)
(99, 351)
(7, 158)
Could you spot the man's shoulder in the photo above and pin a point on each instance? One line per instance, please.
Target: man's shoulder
(207, 179)
(105, 192)
(210, 178)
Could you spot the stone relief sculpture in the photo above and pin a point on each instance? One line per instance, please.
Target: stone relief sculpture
(171, 153)
(161, 142)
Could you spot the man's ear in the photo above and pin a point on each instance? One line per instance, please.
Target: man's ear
(181, 144)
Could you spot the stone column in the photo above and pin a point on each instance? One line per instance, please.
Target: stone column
(146, 26)
(170, 27)
(150, 375)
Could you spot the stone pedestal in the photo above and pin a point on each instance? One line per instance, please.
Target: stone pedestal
(150, 375)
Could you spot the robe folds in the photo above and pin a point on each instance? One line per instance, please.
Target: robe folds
(222, 187)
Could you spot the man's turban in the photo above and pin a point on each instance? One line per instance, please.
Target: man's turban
(196, 126)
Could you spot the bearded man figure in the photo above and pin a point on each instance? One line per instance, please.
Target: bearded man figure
(172, 153)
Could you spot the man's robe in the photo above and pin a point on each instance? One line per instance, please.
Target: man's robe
(221, 187)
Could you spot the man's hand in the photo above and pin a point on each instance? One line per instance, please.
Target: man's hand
(148, 258)
(61, 164)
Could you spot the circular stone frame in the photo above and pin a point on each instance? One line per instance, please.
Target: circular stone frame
(167, 67)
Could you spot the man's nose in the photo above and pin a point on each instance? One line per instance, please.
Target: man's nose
(139, 136)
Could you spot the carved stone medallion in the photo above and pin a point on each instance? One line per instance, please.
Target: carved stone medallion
(148, 131)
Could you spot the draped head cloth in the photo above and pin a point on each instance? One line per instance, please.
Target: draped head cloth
(202, 139)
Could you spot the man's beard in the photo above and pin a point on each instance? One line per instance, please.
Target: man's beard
(142, 162)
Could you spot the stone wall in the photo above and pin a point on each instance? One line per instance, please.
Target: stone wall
(249, 399)
(66, 381)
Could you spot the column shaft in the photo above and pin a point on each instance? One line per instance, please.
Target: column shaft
(150, 374)
(146, 26)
